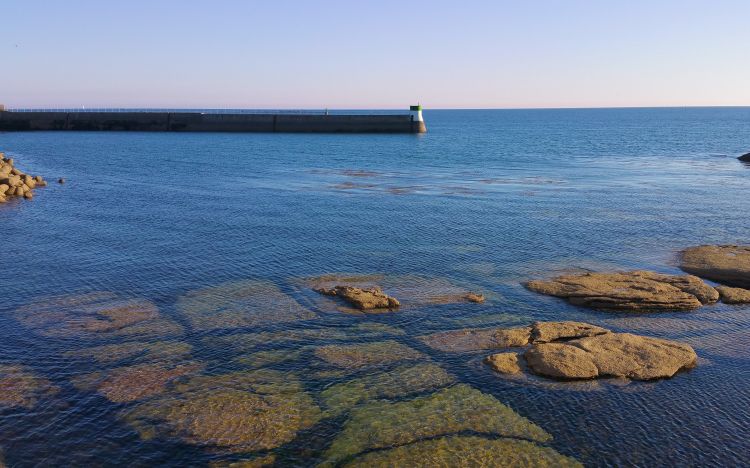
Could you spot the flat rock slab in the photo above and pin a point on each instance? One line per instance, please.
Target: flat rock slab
(546, 332)
(611, 355)
(638, 291)
(728, 264)
(362, 298)
(734, 295)
(459, 341)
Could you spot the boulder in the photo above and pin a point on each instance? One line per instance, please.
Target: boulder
(728, 264)
(561, 361)
(629, 291)
(362, 298)
(60, 180)
(11, 181)
(504, 363)
(474, 297)
(745, 157)
(546, 332)
(28, 195)
(734, 295)
(636, 357)
(29, 181)
(4, 188)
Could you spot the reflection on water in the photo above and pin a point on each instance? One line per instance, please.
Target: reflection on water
(153, 320)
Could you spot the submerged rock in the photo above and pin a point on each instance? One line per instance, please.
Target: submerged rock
(465, 451)
(734, 295)
(402, 381)
(140, 351)
(357, 356)
(639, 291)
(460, 408)
(240, 304)
(95, 315)
(21, 388)
(458, 341)
(238, 412)
(728, 264)
(504, 363)
(259, 462)
(362, 299)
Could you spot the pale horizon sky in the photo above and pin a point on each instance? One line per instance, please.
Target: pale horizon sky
(374, 54)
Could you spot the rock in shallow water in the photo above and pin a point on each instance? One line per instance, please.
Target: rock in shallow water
(638, 291)
(21, 388)
(561, 361)
(362, 298)
(458, 341)
(734, 295)
(504, 363)
(357, 356)
(465, 452)
(728, 264)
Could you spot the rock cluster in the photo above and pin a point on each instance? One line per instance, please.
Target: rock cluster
(14, 183)
(572, 350)
(362, 298)
(638, 291)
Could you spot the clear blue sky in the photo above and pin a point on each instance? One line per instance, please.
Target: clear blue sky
(375, 54)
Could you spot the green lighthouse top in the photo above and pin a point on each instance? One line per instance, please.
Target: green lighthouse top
(418, 107)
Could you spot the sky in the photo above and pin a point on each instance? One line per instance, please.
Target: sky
(383, 54)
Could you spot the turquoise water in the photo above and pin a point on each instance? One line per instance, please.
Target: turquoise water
(484, 201)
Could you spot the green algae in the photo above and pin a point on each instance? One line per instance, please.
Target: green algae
(356, 356)
(237, 412)
(268, 358)
(140, 351)
(22, 388)
(466, 452)
(383, 424)
(402, 381)
(259, 462)
(240, 304)
(95, 316)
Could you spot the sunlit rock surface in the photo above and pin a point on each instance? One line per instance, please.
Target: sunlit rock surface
(96, 315)
(20, 387)
(727, 264)
(638, 291)
(504, 363)
(399, 382)
(383, 424)
(465, 452)
(240, 304)
(236, 412)
(355, 356)
(731, 295)
(369, 299)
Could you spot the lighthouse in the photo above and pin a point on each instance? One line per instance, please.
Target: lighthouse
(417, 122)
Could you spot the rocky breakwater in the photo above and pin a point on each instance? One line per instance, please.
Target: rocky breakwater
(571, 351)
(14, 183)
(635, 291)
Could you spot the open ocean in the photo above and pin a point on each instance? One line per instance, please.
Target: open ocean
(203, 247)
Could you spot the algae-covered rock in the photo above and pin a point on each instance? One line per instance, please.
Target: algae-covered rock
(402, 381)
(629, 291)
(131, 383)
(728, 264)
(259, 462)
(268, 358)
(458, 341)
(362, 298)
(140, 351)
(95, 315)
(383, 424)
(240, 304)
(504, 363)
(356, 356)
(734, 295)
(238, 412)
(22, 388)
(465, 452)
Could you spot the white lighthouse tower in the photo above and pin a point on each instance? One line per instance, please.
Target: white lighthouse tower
(417, 121)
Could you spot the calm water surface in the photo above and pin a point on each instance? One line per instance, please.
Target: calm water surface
(208, 239)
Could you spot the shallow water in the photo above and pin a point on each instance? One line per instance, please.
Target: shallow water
(205, 246)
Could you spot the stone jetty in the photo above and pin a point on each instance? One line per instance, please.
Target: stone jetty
(14, 183)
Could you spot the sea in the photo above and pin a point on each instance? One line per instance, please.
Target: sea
(158, 307)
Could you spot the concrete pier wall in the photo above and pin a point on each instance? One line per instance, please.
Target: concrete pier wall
(197, 122)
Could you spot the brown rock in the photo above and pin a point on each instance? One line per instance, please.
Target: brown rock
(630, 291)
(60, 180)
(728, 264)
(29, 181)
(459, 341)
(15, 171)
(28, 195)
(474, 297)
(636, 357)
(363, 299)
(546, 332)
(734, 295)
(11, 181)
(561, 361)
(504, 363)
(4, 188)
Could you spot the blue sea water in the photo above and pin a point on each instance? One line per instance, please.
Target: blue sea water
(487, 199)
